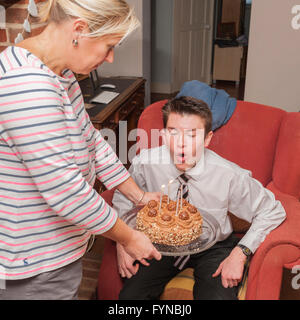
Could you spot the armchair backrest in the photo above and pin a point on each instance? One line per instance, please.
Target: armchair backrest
(286, 169)
(249, 138)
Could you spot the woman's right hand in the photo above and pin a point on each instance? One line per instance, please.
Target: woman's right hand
(139, 247)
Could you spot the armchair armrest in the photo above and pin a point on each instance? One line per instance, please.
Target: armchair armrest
(281, 247)
(109, 280)
(108, 195)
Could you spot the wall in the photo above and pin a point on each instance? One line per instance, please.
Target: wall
(129, 56)
(14, 19)
(162, 34)
(273, 59)
(133, 57)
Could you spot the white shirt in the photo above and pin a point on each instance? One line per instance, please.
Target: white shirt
(216, 186)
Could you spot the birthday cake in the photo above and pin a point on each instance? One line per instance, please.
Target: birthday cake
(173, 223)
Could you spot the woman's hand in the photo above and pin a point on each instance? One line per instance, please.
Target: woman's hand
(140, 248)
(135, 194)
(148, 196)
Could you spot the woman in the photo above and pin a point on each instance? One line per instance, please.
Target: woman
(51, 154)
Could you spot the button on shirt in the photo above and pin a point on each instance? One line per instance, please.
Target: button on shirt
(216, 186)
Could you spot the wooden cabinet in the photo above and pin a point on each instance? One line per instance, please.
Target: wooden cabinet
(233, 11)
(228, 54)
(128, 107)
(227, 63)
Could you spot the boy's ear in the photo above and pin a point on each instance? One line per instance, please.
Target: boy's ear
(208, 138)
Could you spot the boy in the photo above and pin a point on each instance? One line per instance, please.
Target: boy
(212, 184)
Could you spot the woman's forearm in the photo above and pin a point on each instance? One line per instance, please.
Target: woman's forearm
(120, 232)
(131, 190)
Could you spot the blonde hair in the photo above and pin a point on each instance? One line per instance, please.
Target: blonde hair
(104, 17)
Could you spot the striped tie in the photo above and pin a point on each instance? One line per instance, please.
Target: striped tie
(183, 179)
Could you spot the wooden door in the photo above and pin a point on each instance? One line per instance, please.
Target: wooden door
(192, 41)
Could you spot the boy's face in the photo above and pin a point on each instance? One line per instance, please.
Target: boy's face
(185, 137)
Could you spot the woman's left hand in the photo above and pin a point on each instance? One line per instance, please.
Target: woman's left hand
(148, 196)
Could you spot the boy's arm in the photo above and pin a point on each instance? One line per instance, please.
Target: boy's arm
(250, 201)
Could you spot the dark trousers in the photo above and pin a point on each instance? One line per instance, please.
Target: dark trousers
(149, 282)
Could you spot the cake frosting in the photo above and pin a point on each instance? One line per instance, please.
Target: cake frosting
(164, 226)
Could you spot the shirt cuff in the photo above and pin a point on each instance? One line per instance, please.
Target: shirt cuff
(252, 241)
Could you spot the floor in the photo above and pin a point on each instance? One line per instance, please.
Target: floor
(92, 259)
(91, 264)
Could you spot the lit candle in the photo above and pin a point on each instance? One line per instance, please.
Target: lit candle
(169, 192)
(162, 188)
(181, 194)
(177, 204)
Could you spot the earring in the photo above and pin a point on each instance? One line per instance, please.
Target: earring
(75, 42)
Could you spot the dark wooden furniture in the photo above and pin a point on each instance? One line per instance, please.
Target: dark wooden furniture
(8, 3)
(128, 107)
(130, 102)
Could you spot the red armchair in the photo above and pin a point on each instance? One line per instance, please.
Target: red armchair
(262, 139)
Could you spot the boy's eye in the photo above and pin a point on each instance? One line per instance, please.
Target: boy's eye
(190, 134)
(173, 132)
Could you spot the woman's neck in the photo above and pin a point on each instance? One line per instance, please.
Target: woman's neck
(48, 47)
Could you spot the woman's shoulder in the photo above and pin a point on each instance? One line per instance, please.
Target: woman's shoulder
(17, 62)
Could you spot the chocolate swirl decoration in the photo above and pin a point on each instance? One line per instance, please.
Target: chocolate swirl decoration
(166, 220)
(152, 204)
(164, 201)
(150, 215)
(194, 212)
(171, 206)
(185, 203)
(184, 219)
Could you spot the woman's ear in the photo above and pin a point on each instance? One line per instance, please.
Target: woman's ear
(208, 138)
(80, 26)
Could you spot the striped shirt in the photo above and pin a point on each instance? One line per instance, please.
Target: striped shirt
(50, 156)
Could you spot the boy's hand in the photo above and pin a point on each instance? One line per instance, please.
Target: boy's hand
(125, 263)
(231, 269)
